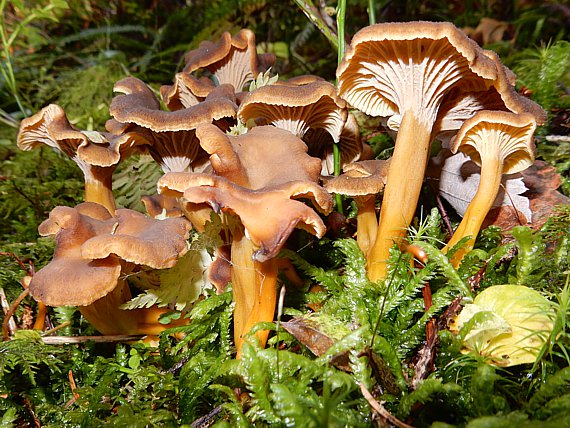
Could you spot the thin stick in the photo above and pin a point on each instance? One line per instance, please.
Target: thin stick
(379, 408)
(315, 17)
(6, 307)
(11, 310)
(56, 328)
(443, 213)
(65, 340)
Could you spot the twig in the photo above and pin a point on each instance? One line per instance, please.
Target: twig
(11, 310)
(6, 307)
(73, 387)
(314, 15)
(381, 410)
(178, 365)
(443, 213)
(57, 328)
(207, 420)
(65, 340)
(558, 138)
(512, 204)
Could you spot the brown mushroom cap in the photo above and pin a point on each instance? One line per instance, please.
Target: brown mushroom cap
(69, 279)
(505, 135)
(139, 105)
(394, 67)
(96, 154)
(264, 156)
(141, 240)
(360, 178)
(268, 215)
(186, 91)
(296, 108)
(232, 60)
(170, 136)
(51, 127)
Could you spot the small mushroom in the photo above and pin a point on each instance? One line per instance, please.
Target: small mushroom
(169, 136)
(186, 92)
(458, 106)
(500, 143)
(296, 108)
(403, 71)
(233, 60)
(93, 250)
(362, 181)
(97, 154)
(350, 144)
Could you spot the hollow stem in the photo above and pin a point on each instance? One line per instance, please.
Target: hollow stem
(401, 194)
(491, 174)
(366, 222)
(98, 188)
(255, 290)
(104, 314)
(108, 319)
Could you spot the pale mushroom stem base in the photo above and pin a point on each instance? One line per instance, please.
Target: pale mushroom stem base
(402, 191)
(491, 174)
(255, 290)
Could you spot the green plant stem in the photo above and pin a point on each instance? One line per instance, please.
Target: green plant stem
(312, 12)
(371, 12)
(340, 20)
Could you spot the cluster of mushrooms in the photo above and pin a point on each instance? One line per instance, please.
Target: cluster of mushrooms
(263, 160)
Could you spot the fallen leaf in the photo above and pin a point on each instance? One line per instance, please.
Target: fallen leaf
(508, 324)
(488, 31)
(457, 178)
(318, 333)
(542, 181)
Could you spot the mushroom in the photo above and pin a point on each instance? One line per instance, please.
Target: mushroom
(296, 108)
(403, 71)
(362, 181)
(500, 143)
(93, 250)
(170, 136)
(233, 60)
(321, 145)
(186, 92)
(458, 106)
(97, 154)
(259, 194)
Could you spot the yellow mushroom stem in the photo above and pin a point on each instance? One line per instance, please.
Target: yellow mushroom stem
(366, 222)
(98, 188)
(402, 190)
(491, 174)
(254, 287)
(108, 319)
